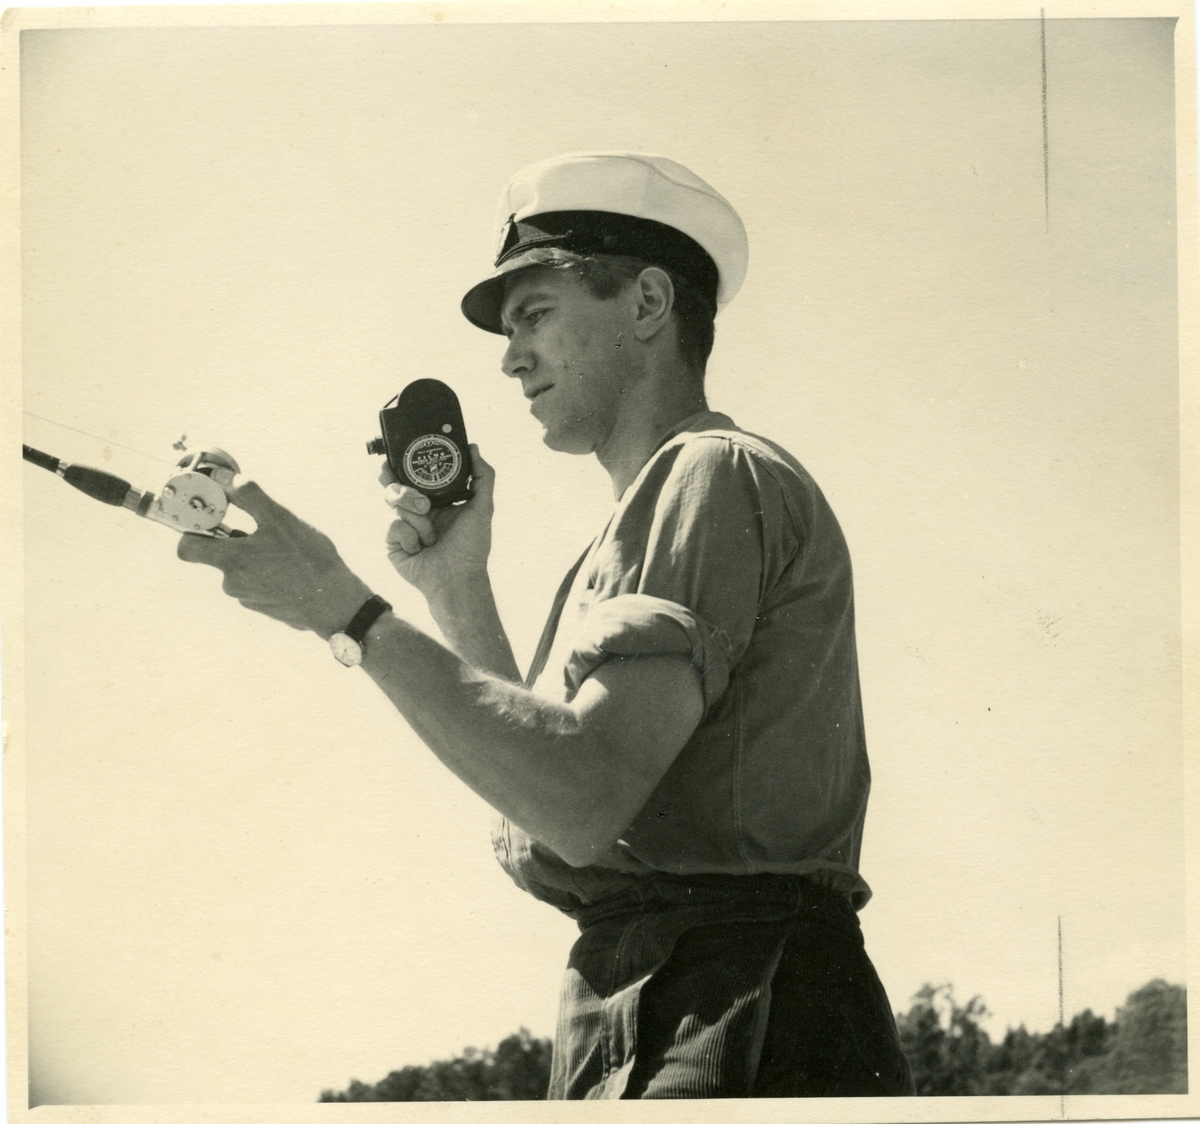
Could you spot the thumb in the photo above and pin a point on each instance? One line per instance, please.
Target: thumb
(253, 500)
(483, 481)
(203, 548)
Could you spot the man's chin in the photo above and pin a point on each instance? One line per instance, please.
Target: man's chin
(574, 443)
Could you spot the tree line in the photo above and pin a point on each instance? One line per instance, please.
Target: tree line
(1144, 1050)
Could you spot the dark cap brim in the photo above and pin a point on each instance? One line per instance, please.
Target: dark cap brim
(483, 303)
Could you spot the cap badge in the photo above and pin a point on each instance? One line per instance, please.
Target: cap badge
(509, 235)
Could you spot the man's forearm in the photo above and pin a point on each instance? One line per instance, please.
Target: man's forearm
(572, 775)
(467, 616)
(523, 754)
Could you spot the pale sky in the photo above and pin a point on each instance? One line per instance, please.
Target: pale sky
(248, 881)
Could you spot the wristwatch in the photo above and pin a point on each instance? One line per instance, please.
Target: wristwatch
(347, 645)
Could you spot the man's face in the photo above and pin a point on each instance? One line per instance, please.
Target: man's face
(566, 347)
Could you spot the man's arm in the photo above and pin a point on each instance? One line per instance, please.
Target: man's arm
(443, 554)
(571, 774)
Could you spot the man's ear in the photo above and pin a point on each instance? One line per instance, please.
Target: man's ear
(655, 298)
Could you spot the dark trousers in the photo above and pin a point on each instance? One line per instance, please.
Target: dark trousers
(718, 986)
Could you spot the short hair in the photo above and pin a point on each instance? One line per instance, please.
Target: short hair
(606, 275)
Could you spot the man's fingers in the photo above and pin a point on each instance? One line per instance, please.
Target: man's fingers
(202, 548)
(386, 475)
(253, 500)
(422, 524)
(411, 506)
(407, 499)
(424, 527)
(404, 536)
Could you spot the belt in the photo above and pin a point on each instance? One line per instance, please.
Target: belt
(743, 894)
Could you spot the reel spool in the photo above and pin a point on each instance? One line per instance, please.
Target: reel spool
(194, 499)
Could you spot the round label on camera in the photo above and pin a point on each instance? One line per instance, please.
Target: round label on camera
(432, 461)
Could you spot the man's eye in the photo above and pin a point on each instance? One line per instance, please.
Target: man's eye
(534, 315)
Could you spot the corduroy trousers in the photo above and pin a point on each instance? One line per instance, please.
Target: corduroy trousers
(724, 986)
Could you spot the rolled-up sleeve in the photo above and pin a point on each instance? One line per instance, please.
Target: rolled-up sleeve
(635, 624)
(684, 564)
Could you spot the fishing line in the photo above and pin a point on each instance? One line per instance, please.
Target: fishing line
(95, 437)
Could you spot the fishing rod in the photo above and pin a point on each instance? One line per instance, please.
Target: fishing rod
(193, 501)
(424, 440)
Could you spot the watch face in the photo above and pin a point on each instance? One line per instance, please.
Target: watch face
(345, 650)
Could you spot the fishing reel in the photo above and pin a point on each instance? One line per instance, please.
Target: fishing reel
(193, 501)
(196, 495)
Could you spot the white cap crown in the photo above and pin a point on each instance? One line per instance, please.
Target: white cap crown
(620, 203)
(637, 184)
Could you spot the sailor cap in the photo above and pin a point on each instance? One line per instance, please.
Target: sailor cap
(625, 204)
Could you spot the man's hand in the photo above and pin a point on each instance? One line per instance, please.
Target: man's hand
(285, 569)
(435, 550)
(444, 555)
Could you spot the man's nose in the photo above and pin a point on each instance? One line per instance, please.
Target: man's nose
(517, 361)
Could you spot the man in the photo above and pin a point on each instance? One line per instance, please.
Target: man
(684, 769)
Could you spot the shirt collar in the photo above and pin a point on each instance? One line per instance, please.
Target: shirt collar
(704, 419)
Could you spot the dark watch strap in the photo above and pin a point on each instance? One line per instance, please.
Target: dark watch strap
(373, 608)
